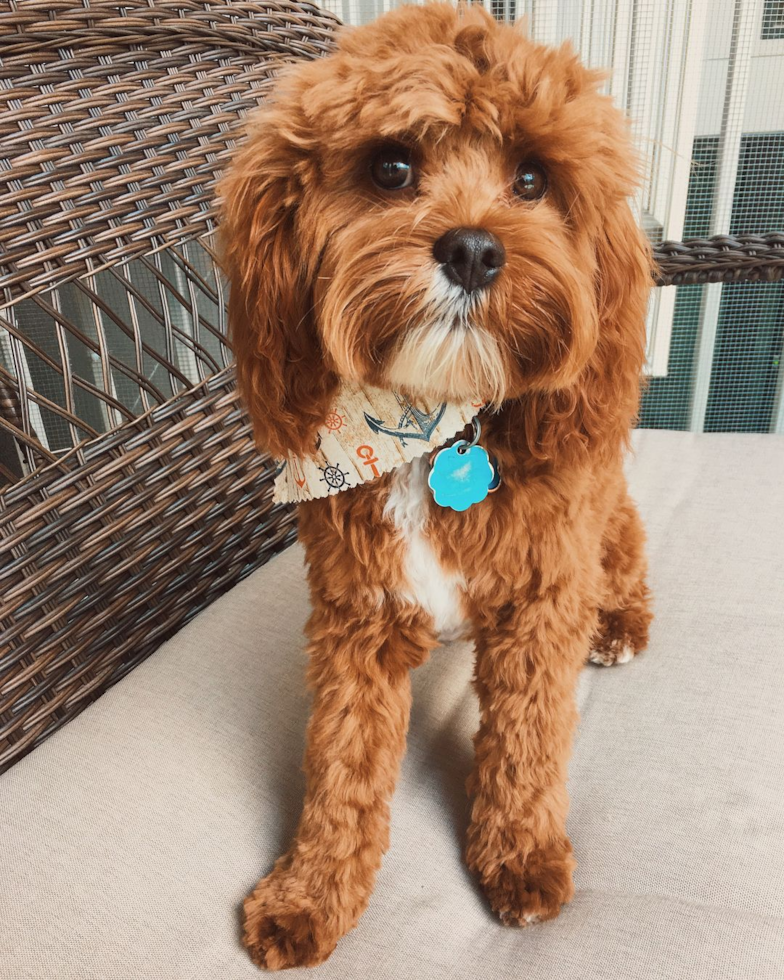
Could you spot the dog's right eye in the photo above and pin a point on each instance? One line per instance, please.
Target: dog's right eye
(391, 169)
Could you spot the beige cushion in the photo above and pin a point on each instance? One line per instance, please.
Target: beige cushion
(128, 840)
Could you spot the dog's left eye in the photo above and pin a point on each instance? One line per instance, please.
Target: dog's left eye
(530, 182)
(391, 169)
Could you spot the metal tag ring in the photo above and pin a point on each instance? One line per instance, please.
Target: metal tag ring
(475, 439)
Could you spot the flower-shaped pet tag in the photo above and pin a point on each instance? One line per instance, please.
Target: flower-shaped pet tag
(461, 475)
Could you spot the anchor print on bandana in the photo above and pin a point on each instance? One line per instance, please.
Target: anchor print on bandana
(366, 433)
(412, 424)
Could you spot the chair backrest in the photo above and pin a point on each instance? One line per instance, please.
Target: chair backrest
(134, 493)
(116, 116)
(115, 120)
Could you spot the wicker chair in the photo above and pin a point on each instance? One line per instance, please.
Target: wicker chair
(133, 495)
(115, 119)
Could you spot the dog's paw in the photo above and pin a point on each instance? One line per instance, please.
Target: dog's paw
(283, 927)
(523, 893)
(614, 652)
(620, 635)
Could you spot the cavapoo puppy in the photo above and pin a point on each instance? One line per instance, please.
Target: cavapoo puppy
(440, 208)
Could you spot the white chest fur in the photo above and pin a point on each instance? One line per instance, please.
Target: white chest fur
(436, 591)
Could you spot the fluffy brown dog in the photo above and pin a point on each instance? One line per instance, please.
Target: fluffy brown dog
(441, 205)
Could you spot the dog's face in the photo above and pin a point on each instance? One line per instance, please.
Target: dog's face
(440, 206)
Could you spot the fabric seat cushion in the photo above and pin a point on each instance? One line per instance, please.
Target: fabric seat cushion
(128, 840)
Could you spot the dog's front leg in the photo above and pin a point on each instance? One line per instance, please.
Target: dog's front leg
(360, 672)
(527, 664)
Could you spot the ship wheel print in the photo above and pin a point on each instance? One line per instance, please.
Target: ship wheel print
(335, 421)
(334, 477)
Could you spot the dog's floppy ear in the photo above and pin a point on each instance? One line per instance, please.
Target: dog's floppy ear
(600, 408)
(609, 392)
(624, 276)
(623, 283)
(280, 371)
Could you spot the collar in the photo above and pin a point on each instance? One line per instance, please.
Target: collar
(368, 432)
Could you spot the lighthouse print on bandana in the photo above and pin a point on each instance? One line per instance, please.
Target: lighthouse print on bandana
(368, 432)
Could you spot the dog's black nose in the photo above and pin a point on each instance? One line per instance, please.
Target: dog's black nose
(471, 257)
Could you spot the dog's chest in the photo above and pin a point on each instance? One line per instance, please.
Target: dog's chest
(428, 585)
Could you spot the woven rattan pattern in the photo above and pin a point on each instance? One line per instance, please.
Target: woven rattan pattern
(134, 325)
(114, 120)
(101, 563)
(723, 258)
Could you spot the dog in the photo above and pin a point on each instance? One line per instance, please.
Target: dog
(440, 206)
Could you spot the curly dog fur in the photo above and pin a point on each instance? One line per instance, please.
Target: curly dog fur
(332, 276)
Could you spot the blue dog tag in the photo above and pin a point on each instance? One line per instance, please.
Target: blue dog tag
(461, 475)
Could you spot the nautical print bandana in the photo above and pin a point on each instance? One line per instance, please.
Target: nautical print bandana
(368, 432)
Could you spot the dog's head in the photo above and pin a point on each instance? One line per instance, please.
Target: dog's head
(439, 206)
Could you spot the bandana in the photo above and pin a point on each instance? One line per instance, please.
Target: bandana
(368, 432)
